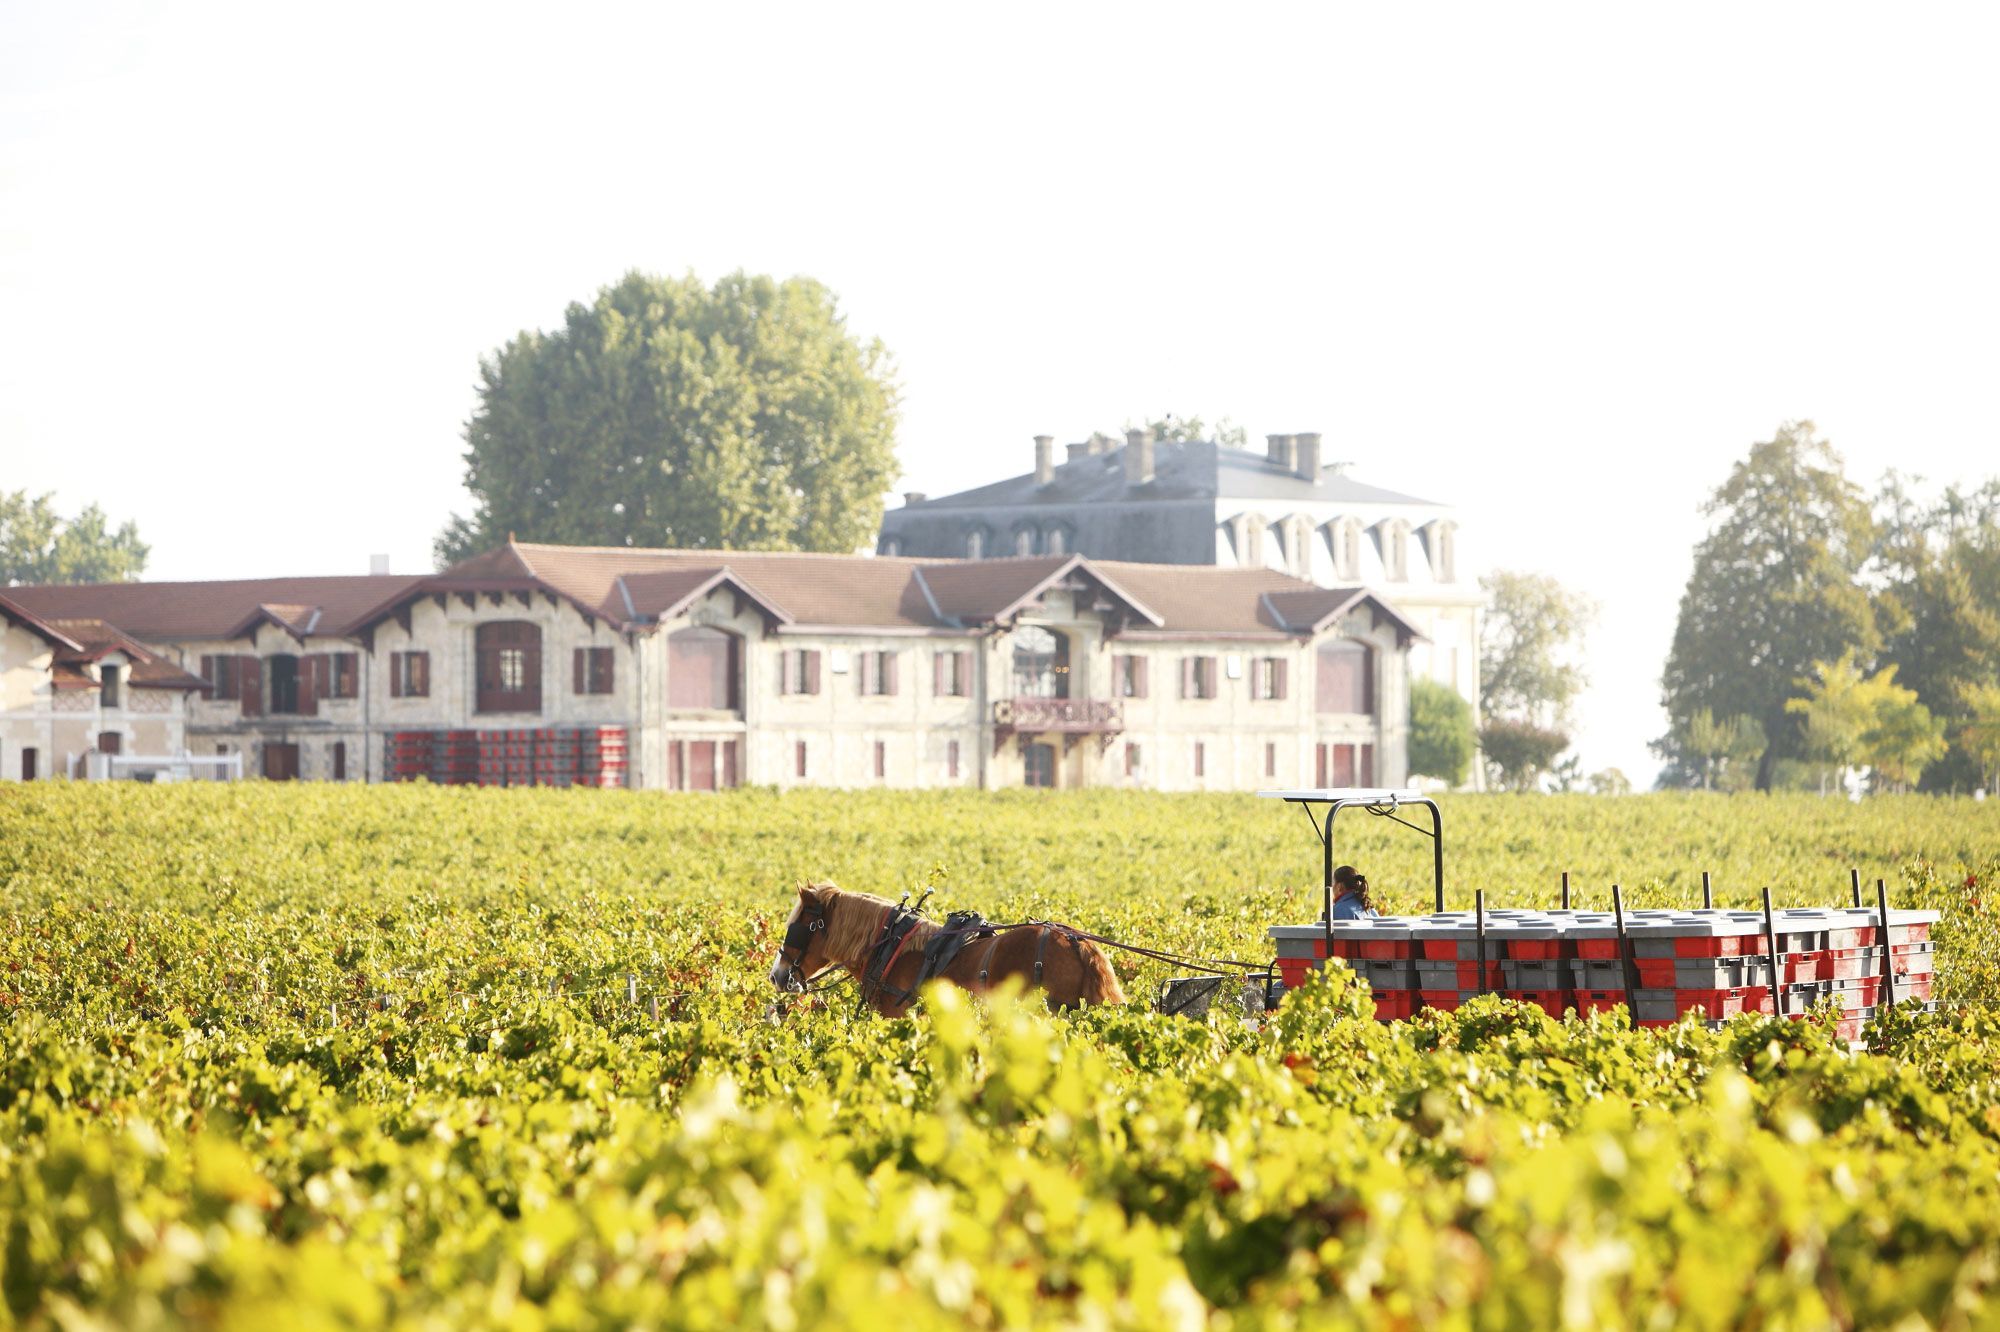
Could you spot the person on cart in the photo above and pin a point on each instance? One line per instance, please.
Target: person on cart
(1350, 898)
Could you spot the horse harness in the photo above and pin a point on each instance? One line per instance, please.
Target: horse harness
(959, 929)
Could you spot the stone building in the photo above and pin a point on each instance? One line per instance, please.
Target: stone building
(71, 686)
(733, 667)
(1206, 504)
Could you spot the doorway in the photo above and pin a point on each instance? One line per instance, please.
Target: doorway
(281, 763)
(1038, 764)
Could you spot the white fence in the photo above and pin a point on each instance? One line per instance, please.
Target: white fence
(182, 767)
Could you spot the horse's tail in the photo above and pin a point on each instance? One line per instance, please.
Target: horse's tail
(1100, 982)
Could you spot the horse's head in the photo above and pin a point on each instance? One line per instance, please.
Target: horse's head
(804, 953)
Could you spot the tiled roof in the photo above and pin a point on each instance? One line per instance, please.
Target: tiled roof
(170, 612)
(95, 640)
(633, 588)
(15, 613)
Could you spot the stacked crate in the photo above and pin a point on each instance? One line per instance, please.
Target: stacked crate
(493, 757)
(1714, 963)
(555, 757)
(600, 755)
(455, 758)
(409, 755)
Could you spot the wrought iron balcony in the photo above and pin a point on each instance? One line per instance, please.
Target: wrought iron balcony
(1063, 716)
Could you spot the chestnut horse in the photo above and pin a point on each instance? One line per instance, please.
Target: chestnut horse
(831, 928)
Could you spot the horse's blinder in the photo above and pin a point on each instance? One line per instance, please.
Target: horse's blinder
(798, 941)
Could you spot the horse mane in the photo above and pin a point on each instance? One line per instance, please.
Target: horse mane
(854, 923)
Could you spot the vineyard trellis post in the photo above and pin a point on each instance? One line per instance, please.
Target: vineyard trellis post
(1624, 951)
(1771, 950)
(1888, 951)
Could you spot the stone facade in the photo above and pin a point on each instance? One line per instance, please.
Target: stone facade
(729, 668)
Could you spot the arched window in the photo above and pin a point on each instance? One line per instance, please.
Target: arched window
(703, 668)
(1346, 684)
(1041, 663)
(1396, 550)
(1024, 541)
(975, 544)
(1057, 542)
(1343, 540)
(508, 664)
(1444, 551)
(892, 545)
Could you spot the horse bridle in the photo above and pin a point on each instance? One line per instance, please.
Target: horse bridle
(798, 941)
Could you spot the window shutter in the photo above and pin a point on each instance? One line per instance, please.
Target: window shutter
(889, 660)
(785, 685)
(1187, 677)
(1279, 669)
(305, 684)
(1138, 677)
(728, 763)
(395, 675)
(963, 686)
(1211, 678)
(1368, 680)
(610, 670)
(579, 667)
(208, 673)
(812, 677)
(421, 679)
(937, 674)
(250, 684)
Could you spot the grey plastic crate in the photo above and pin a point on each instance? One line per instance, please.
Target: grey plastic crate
(1552, 974)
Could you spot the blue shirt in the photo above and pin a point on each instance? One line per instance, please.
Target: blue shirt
(1350, 908)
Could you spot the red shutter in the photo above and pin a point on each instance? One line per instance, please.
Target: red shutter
(785, 685)
(674, 762)
(395, 675)
(421, 679)
(306, 682)
(1368, 765)
(889, 660)
(799, 751)
(1279, 669)
(610, 669)
(1187, 677)
(250, 684)
(1138, 677)
(812, 682)
(579, 667)
(728, 763)
(937, 674)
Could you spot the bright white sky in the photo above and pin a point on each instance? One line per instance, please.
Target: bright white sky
(1557, 265)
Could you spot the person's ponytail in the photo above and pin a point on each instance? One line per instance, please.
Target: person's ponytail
(1353, 885)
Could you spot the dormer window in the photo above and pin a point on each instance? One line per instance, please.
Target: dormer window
(975, 544)
(1444, 551)
(110, 686)
(1024, 541)
(1396, 550)
(1344, 540)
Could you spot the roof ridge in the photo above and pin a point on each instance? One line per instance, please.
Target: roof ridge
(735, 551)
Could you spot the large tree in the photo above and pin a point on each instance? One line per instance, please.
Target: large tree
(1528, 643)
(1775, 587)
(667, 413)
(1940, 607)
(38, 545)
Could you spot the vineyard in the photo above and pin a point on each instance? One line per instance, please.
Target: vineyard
(289, 1056)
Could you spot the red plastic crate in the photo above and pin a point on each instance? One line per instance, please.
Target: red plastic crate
(1552, 1002)
(1392, 1004)
(1444, 1001)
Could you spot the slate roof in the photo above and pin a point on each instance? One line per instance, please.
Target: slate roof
(1191, 470)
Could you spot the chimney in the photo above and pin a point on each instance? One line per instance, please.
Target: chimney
(1306, 456)
(1282, 450)
(1045, 461)
(378, 564)
(911, 497)
(1138, 457)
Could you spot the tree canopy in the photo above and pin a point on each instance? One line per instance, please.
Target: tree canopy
(1776, 587)
(1534, 628)
(38, 545)
(1179, 429)
(1441, 732)
(667, 413)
